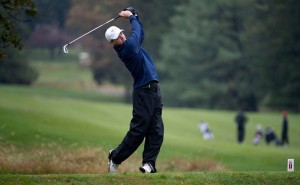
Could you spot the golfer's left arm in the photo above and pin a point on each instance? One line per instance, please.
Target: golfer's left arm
(137, 32)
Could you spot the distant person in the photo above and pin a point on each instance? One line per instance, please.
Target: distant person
(284, 133)
(258, 134)
(271, 136)
(206, 132)
(240, 120)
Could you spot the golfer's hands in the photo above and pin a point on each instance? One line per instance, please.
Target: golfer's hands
(125, 14)
(130, 9)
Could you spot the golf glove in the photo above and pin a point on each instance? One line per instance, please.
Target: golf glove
(131, 9)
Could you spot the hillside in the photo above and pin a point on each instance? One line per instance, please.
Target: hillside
(52, 124)
(62, 124)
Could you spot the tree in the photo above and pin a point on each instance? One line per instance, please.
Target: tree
(274, 38)
(53, 12)
(156, 16)
(47, 36)
(204, 57)
(48, 28)
(15, 70)
(12, 12)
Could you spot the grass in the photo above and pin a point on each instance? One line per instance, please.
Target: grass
(31, 118)
(63, 72)
(239, 178)
(62, 125)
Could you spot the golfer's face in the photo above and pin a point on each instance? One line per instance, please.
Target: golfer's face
(120, 40)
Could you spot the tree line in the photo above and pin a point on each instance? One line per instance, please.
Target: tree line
(212, 54)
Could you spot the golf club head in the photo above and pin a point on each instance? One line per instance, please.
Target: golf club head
(65, 48)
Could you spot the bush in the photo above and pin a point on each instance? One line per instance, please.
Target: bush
(14, 69)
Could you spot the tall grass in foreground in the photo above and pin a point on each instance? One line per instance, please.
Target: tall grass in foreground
(53, 159)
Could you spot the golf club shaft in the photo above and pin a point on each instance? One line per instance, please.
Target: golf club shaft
(94, 29)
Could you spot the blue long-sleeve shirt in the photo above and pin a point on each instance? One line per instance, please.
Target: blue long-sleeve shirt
(137, 60)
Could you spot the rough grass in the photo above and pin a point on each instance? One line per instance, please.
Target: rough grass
(55, 159)
(51, 159)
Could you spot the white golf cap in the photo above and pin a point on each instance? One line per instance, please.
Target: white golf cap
(112, 33)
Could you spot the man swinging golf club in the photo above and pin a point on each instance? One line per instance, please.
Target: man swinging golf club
(146, 122)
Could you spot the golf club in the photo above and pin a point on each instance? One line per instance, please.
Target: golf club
(65, 46)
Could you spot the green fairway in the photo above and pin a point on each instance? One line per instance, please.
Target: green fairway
(32, 119)
(63, 72)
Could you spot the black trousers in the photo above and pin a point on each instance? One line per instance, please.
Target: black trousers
(284, 137)
(146, 124)
(241, 134)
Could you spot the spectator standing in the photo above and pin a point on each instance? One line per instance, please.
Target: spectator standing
(241, 120)
(284, 133)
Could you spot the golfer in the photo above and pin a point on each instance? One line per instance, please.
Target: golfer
(146, 122)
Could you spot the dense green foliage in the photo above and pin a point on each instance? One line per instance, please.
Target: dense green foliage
(233, 54)
(274, 41)
(208, 52)
(14, 69)
(155, 16)
(12, 13)
(52, 12)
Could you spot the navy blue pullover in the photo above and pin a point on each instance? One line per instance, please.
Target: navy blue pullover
(137, 59)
